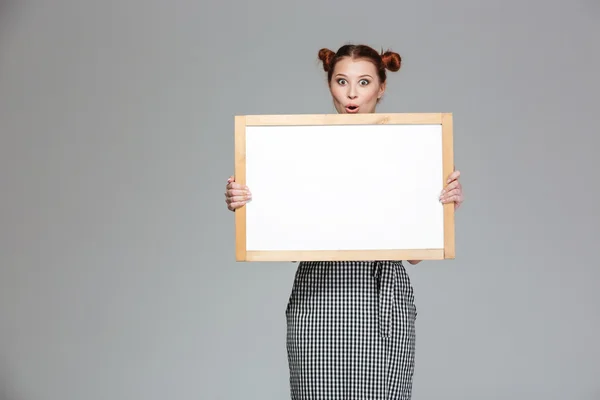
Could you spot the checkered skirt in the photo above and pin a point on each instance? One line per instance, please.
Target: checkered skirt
(351, 331)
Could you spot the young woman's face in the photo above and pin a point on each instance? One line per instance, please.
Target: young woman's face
(355, 86)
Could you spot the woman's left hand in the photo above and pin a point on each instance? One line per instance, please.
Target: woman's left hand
(453, 191)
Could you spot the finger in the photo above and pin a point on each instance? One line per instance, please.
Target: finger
(453, 176)
(452, 198)
(237, 199)
(233, 199)
(235, 185)
(235, 206)
(230, 179)
(452, 192)
(237, 192)
(451, 186)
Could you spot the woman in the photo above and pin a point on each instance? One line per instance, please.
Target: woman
(350, 324)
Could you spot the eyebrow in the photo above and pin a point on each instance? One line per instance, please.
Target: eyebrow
(362, 76)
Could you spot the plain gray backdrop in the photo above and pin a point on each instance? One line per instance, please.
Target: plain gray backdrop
(118, 278)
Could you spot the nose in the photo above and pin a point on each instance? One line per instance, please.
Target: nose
(352, 92)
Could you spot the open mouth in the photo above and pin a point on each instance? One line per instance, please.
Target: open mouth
(352, 109)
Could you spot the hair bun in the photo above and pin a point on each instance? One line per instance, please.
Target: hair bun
(391, 60)
(326, 56)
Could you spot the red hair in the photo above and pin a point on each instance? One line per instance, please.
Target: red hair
(386, 60)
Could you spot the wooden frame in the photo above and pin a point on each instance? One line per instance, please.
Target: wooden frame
(447, 251)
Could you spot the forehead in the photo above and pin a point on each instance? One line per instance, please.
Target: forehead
(356, 67)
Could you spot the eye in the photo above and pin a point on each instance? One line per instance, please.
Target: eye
(341, 81)
(364, 82)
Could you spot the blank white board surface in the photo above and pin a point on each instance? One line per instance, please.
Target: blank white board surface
(322, 187)
(347, 191)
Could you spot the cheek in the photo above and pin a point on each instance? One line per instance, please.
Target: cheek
(371, 95)
(337, 93)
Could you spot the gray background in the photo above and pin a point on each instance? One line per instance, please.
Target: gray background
(117, 276)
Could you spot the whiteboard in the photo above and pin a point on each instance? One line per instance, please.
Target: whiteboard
(344, 187)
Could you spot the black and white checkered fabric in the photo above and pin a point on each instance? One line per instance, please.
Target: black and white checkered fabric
(351, 331)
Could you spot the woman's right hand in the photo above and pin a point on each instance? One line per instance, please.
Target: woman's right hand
(236, 195)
